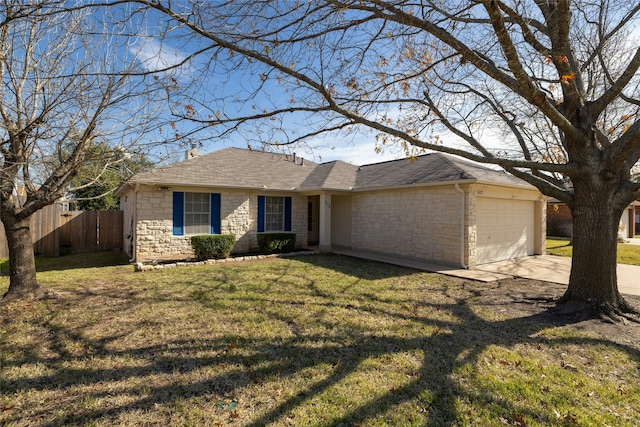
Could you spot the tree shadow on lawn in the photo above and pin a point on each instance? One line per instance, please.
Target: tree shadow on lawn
(73, 261)
(361, 268)
(259, 362)
(454, 345)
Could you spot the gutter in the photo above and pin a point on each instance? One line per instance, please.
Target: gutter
(351, 189)
(223, 186)
(462, 233)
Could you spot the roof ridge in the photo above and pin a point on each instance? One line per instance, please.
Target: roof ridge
(449, 160)
(478, 165)
(391, 160)
(443, 155)
(332, 164)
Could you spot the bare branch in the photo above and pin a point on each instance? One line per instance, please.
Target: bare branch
(618, 86)
(405, 68)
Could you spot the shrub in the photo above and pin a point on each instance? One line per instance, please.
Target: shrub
(276, 242)
(214, 246)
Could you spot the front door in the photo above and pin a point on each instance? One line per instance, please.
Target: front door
(312, 220)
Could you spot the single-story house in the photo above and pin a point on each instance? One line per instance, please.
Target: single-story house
(432, 207)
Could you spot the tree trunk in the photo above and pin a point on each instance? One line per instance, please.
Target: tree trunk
(593, 283)
(22, 266)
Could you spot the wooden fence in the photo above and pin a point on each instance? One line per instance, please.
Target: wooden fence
(57, 232)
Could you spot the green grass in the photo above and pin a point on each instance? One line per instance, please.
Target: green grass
(627, 254)
(311, 341)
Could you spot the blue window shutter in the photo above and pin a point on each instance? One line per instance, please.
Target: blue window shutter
(287, 214)
(261, 210)
(215, 213)
(262, 202)
(178, 213)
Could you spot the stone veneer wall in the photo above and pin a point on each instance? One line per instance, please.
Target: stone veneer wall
(154, 226)
(471, 226)
(422, 223)
(238, 211)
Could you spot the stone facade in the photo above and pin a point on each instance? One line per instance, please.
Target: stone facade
(471, 229)
(432, 223)
(419, 223)
(436, 223)
(154, 226)
(238, 215)
(238, 212)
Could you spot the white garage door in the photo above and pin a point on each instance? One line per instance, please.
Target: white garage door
(505, 229)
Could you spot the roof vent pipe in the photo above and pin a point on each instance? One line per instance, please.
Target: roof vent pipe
(294, 158)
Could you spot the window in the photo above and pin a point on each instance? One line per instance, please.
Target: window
(196, 213)
(274, 213)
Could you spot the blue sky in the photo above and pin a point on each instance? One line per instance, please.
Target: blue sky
(357, 148)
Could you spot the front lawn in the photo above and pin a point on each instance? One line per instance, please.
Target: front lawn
(627, 254)
(316, 340)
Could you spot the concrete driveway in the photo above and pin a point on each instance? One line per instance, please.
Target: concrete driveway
(549, 268)
(556, 269)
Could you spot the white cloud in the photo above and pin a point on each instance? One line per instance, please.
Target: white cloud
(359, 148)
(155, 55)
(360, 153)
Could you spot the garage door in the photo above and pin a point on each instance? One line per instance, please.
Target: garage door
(505, 229)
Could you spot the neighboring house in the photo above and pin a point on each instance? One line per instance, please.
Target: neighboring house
(560, 222)
(433, 207)
(559, 219)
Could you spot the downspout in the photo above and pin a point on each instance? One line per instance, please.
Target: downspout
(462, 231)
(132, 231)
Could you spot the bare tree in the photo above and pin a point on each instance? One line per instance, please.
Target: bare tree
(554, 81)
(71, 76)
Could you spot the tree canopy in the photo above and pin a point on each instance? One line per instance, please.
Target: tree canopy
(548, 90)
(104, 169)
(73, 74)
(427, 75)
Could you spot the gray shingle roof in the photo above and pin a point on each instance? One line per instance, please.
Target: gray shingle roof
(428, 169)
(233, 167)
(241, 168)
(337, 175)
